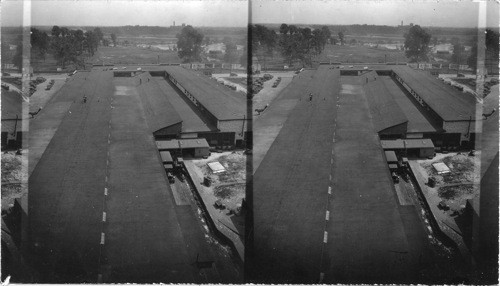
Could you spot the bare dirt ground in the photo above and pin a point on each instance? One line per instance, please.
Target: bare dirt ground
(229, 186)
(13, 177)
(458, 186)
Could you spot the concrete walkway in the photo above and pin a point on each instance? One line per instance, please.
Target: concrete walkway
(221, 220)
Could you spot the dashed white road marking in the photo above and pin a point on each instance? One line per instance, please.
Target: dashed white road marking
(329, 190)
(325, 237)
(327, 216)
(104, 216)
(102, 238)
(105, 191)
(331, 161)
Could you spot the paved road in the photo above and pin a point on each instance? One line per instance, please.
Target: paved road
(100, 202)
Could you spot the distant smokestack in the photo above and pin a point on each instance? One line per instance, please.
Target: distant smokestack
(401, 23)
(174, 23)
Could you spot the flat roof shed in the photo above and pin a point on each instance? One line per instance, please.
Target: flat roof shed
(166, 157)
(182, 144)
(390, 156)
(406, 143)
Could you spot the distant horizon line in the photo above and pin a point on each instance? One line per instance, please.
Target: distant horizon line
(297, 24)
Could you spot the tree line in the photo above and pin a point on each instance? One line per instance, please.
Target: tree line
(66, 45)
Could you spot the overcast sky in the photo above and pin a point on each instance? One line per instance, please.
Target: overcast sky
(132, 12)
(447, 13)
(424, 13)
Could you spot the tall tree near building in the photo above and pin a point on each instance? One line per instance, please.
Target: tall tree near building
(113, 39)
(341, 37)
(189, 44)
(99, 35)
(39, 42)
(231, 55)
(458, 54)
(417, 44)
(17, 60)
(492, 50)
(326, 34)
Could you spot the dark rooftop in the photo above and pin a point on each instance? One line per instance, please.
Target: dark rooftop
(223, 103)
(384, 109)
(159, 112)
(445, 100)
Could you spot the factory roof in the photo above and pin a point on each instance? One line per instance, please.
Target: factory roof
(220, 101)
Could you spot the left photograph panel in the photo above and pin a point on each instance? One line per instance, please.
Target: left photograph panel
(125, 137)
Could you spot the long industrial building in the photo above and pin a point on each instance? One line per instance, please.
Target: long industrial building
(325, 206)
(191, 105)
(408, 103)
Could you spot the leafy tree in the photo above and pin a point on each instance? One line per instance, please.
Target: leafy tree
(326, 35)
(113, 39)
(341, 37)
(298, 44)
(189, 44)
(458, 52)
(56, 31)
(39, 42)
(99, 35)
(284, 29)
(491, 50)
(17, 60)
(231, 54)
(417, 43)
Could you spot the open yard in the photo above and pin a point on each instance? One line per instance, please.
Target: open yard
(456, 187)
(134, 55)
(360, 54)
(228, 186)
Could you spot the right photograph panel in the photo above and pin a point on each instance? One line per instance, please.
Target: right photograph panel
(375, 142)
